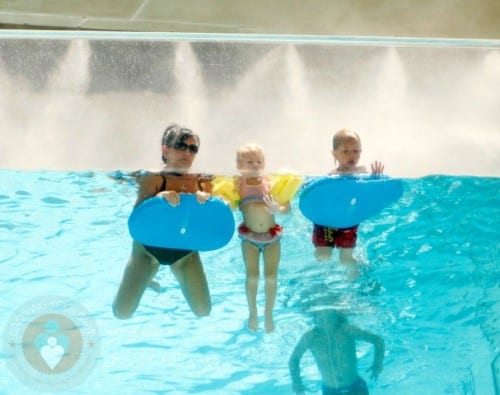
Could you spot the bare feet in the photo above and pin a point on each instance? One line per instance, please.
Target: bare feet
(253, 322)
(269, 322)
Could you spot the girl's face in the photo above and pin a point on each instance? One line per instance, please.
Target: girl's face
(251, 163)
(348, 154)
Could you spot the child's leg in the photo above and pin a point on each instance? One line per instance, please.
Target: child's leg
(346, 258)
(323, 253)
(251, 259)
(271, 263)
(322, 238)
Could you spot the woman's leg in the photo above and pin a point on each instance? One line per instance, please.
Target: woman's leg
(251, 259)
(140, 270)
(193, 282)
(271, 263)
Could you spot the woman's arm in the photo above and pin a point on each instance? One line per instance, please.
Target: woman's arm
(149, 185)
(204, 188)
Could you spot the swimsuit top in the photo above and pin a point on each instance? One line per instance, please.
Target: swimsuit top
(252, 193)
(185, 183)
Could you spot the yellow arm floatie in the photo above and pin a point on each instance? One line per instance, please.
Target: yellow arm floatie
(284, 187)
(225, 188)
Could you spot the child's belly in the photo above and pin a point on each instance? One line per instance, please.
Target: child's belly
(257, 218)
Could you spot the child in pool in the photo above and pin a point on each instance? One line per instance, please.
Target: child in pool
(333, 344)
(259, 232)
(346, 152)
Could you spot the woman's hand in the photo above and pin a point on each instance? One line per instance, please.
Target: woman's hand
(202, 197)
(172, 197)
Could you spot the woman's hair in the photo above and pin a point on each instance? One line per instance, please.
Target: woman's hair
(345, 136)
(175, 134)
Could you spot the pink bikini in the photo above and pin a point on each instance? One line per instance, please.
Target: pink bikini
(255, 193)
(252, 193)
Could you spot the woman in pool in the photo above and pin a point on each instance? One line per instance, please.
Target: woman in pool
(179, 148)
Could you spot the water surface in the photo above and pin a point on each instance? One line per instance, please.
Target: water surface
(429, 286)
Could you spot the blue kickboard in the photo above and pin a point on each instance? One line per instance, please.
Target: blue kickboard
(345, 201)
(187, 226)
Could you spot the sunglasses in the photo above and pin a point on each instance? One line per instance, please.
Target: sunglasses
(181, 146)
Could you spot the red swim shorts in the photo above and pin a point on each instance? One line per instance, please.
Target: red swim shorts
(332, 237)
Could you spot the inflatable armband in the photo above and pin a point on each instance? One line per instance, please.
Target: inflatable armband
(284, 187)
(224, 187)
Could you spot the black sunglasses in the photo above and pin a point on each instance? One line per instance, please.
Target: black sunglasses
(182, 146)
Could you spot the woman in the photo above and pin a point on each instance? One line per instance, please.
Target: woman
(179, 148)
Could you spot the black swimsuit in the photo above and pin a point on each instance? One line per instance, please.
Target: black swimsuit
(167, 256)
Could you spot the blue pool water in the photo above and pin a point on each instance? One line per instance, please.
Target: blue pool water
(430, 287)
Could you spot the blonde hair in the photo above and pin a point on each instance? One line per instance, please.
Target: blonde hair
(248, 148)
(344, 136)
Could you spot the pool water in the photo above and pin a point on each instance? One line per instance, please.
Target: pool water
(429, 287)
